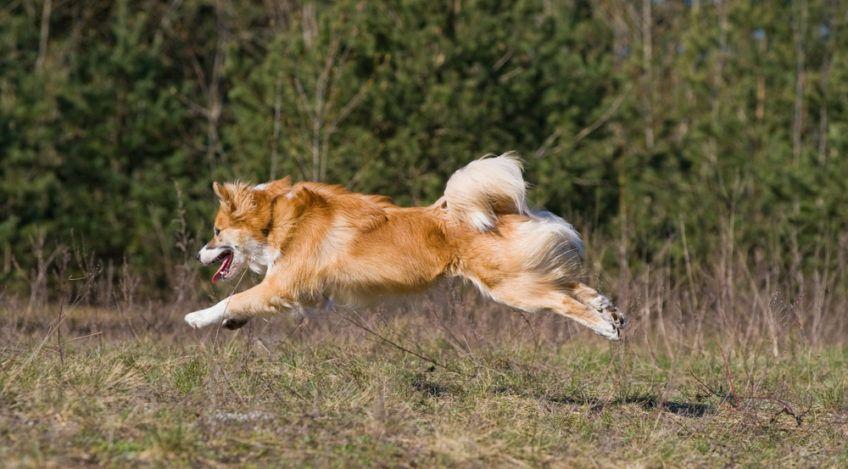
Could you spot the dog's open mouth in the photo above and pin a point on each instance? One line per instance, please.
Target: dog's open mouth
(226, 260)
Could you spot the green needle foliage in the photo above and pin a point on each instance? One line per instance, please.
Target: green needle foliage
(723, 121)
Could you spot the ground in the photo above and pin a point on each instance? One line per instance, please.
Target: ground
(113, 388)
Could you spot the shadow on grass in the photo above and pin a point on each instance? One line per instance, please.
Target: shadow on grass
(430, 388)
(646, 401)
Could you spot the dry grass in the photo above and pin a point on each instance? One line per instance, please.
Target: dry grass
(493, 387)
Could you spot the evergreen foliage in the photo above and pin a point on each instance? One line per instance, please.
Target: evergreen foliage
(643, 121)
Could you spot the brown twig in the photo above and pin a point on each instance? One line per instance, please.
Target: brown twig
(734, 400)
(361, 324)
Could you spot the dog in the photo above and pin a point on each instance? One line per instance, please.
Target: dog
(314, 241)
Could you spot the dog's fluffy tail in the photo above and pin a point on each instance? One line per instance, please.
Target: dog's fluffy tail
(484, 189)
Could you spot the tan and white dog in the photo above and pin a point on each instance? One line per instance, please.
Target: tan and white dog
(314, 241)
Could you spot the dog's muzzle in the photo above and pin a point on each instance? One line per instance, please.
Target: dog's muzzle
(208, 255)
(219, 254)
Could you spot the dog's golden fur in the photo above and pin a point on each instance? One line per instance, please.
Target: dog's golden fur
(317, 240)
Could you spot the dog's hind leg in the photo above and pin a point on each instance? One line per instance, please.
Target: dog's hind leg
(530, 293)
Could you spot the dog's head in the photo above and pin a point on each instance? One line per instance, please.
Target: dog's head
(240, 235)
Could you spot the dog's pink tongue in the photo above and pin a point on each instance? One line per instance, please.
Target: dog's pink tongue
(219, 274)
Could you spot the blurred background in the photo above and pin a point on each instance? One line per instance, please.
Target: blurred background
(698, 145)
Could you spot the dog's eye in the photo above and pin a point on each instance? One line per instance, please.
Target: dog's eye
(217, 231)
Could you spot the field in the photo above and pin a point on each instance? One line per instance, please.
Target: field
(419, 384)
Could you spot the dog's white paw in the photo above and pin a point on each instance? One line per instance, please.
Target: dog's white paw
(209, 316)
(613, 321)
(200, 319)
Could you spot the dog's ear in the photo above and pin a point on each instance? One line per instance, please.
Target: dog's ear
(236, 198)
(221, 191)
(225, 195)
(278, 187)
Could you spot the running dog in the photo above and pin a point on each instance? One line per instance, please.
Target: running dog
(315, 241)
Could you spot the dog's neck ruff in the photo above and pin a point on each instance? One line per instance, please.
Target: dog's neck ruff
(261, 257)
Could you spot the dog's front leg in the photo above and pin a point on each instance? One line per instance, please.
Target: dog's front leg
(234, 311)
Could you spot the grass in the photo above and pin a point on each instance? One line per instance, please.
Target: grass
(117, 389)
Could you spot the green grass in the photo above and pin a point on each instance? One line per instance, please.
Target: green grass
(339, 397)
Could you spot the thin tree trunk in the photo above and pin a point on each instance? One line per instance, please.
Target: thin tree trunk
(317, 122)
(716, 96)
(647, 66)
(309, 24)
(760, 111)
(44, 35)
(825, 81)
(799, 30)
(275, 143)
